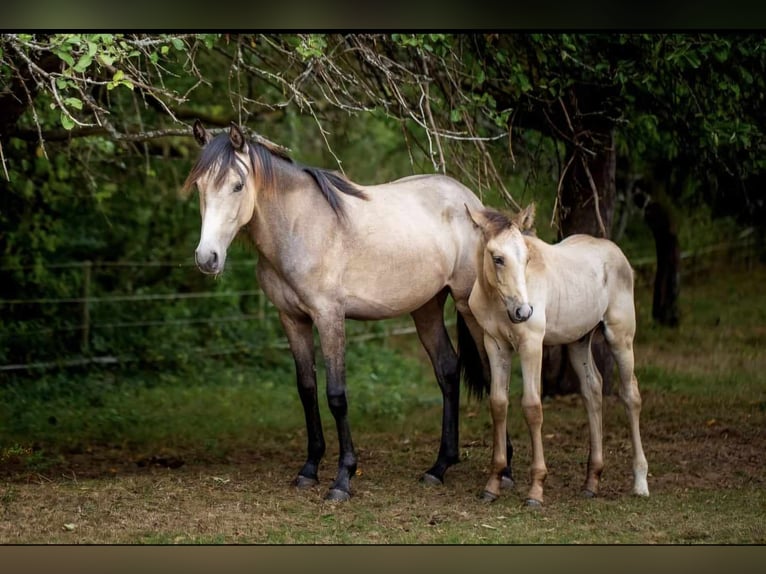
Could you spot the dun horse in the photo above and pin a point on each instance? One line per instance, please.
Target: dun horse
(528, 294)
(329, 250)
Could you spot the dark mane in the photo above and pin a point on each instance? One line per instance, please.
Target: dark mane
(219, 152)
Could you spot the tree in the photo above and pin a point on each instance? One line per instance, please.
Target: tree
(466, 103)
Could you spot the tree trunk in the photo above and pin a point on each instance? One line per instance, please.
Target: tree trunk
(578, 211)
(667, 284)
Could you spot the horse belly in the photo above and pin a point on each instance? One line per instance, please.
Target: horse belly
(391, 293)
(566, 325)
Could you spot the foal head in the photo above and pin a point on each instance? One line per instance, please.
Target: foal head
(224, 175)
(504, 258)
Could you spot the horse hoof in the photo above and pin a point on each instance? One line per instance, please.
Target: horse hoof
(488, 497)
(305, 482)
(533, 503)
(588, 493)
(337, 495)
(506, 482)
(431, 479)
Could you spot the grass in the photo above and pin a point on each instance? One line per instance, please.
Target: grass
(85, 459)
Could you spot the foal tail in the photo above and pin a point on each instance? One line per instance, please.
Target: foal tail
(470, 361)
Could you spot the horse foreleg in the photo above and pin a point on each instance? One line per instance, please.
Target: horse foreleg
(300, 337)
(429, 323)
(531, 354)
(500, 365)
(581, 359)
(477, 334)
(332, 336)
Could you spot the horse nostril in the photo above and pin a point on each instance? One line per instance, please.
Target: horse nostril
(214, 258)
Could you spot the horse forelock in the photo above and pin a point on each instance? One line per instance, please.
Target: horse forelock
(219, 156)
(496, 222)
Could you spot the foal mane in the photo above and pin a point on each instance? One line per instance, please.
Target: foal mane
(496, 221)
(219, 154)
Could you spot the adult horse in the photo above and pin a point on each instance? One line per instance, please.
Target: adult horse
(529, 293)
(328, 250)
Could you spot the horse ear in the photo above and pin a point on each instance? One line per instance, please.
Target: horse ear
(200, 133)
(525, 219)
(476, 217)
(236, 137)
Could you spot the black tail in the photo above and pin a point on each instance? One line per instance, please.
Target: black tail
(469, 361)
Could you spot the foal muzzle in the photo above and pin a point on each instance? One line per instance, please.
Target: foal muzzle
(520, 313)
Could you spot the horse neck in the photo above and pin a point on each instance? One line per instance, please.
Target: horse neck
(289, 206)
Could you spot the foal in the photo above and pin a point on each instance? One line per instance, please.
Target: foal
(529, 293)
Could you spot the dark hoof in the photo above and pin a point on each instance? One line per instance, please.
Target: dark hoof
(588, 493)
(337, 495)
(533, 503)
(488, 497)
(305, 482)
(506, 482)
(431, 479)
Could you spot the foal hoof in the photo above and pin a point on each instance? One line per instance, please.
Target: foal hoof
(431, 479)
(337, 495)
(533, 503)
(506, 482)
(305, 482)
(488, 497)
(588, 493)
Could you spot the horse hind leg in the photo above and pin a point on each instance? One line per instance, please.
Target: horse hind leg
(621, 343)
(429, 323)
(581, 359)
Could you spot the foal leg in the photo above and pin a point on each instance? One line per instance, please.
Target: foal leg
(500, 362)
(620, 340)
(581, 359)
(300, 337)
(477, 334)
(531, 354)
(429, 323)
(332, 335)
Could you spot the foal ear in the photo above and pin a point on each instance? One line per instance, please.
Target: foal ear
(200, 133)
(236, 137)
(525, 219)
(476, 217)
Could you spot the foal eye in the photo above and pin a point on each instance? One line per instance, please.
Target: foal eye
(498, 260)
(238, 187)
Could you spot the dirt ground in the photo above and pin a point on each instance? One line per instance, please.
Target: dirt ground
(108, 495)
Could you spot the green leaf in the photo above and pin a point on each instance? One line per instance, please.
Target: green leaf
(106, 59)
(83, 63)
(178, 44)
(66, 121)
(118, 75)
(65, 56)
(74, 103)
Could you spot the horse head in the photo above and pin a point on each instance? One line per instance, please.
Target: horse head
(504, 258)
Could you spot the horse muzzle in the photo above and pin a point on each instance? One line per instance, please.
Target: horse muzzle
(209, 262)
(520, 313)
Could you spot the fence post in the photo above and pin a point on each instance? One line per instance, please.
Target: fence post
(86, 269)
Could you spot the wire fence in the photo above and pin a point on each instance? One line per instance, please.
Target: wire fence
(694, 263)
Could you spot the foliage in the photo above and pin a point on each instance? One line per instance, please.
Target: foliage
(94, 142)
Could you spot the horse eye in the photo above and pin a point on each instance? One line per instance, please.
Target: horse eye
(497, 260)
(238, 187)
